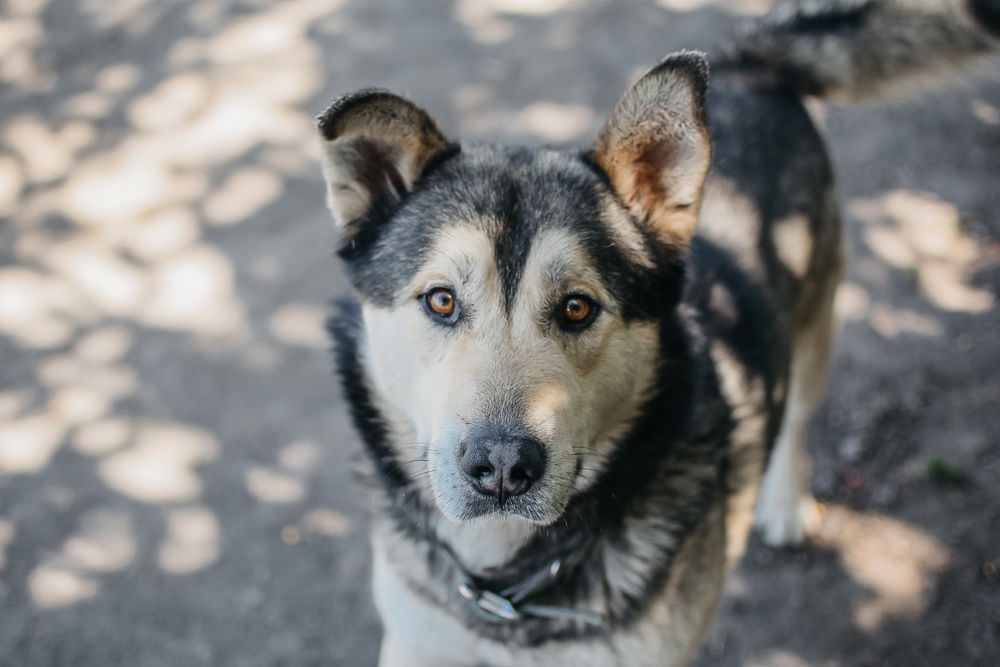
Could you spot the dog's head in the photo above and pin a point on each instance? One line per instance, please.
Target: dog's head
(512, 298)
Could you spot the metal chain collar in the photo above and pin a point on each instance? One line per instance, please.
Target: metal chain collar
(508, 605)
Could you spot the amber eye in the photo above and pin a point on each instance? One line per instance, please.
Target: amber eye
(577, 311)
(441, 302)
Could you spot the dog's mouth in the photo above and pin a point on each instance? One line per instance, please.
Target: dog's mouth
(542, 505)
(519, 507)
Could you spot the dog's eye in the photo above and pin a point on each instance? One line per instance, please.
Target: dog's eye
(440, 304)
(576, 312)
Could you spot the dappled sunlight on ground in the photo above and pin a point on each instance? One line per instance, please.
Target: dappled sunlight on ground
(159, 466)
(102, 543)
(555, 122)
(326, 522)
(283, 483)
(136, 204)
(27, 443)
(173, 455)
(6, 537)
(545, 121)
(316, 525)
(271, 486)
(485, 18)
(745, 7)
(191, 542)
(102, 436)
(56, 586)
(300, 324)
(853, 302)
(110, 236)
(891, 558)
(921, 236)
(299, 456)
(921, 233)
(985, 112)
(21, 34)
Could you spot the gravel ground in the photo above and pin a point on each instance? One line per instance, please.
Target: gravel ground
(175, 460)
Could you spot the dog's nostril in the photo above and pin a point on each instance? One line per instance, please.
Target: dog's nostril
(481, 471)
(474, 461)
(520, 476)
(502, 468)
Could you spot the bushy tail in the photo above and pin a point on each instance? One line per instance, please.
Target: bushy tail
(849, 50)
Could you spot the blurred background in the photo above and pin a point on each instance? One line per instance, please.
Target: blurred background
(175, 475)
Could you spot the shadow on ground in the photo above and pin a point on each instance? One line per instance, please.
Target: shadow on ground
(174, 456)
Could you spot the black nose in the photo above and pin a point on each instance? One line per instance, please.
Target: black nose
(502, 468)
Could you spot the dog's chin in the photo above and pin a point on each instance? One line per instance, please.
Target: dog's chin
(471, 506)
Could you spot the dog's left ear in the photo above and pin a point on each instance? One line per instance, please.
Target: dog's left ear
(375, 145)
(656, 149)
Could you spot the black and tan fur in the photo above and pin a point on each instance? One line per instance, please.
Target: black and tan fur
(704, 227)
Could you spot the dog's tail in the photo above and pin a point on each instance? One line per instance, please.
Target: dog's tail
(848, 50)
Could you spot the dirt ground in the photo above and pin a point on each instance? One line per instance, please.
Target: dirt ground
(175, 475)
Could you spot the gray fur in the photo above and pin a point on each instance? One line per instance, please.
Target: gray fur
(732, 326)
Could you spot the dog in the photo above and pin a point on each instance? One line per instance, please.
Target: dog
(578, 375)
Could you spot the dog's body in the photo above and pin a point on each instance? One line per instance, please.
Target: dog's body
(551, 370)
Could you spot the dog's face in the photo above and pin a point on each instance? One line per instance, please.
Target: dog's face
(511, 298)
(507, 321)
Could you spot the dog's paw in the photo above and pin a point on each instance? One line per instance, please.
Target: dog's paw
(785, 522)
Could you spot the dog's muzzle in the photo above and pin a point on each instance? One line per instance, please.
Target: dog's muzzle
(502, 467)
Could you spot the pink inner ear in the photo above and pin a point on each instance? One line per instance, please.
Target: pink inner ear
(650, 167)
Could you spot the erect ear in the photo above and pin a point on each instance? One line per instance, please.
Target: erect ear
(375, 145)
(656, 149)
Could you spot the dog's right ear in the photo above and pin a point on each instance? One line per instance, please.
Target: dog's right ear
(375, 145)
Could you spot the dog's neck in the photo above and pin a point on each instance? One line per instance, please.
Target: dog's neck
(487, 542)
